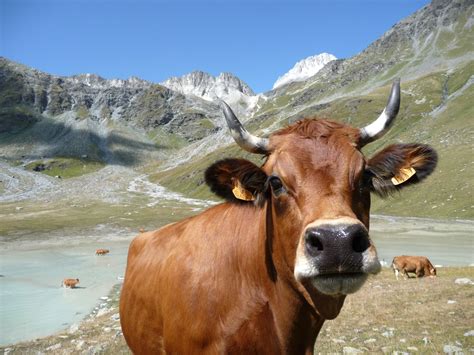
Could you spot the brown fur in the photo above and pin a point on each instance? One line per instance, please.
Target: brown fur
(71, 283)
(102, 251)
(418, 265)
(223, 281)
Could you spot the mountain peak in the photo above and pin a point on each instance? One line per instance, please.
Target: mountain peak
(304, 69)
(206, 86)
(225, 86)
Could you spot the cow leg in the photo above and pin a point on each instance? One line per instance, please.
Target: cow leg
(396, 273)
(405, 274)
(419, 273)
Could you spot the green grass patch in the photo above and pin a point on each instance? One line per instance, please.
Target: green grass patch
(65, 167)
(82, 112)
(459, 78)
(166, 140)
(206, 124)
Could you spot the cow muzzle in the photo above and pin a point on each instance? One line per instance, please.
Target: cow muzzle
(336, 257)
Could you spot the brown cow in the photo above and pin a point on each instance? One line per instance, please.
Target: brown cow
(419, 265)
(102, 251)
(71, 283)
(261, 272)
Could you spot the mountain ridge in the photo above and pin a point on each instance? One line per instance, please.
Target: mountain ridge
(141, 123)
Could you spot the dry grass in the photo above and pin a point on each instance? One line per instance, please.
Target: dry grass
(411, 315)
(386, 316)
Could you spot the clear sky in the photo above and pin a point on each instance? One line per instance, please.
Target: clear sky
(257, 40)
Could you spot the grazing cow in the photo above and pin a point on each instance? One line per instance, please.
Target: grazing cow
(419, 265)
(71, 283)
(261, 272)
(102, 251)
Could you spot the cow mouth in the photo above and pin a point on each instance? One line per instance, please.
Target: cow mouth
(339, 283)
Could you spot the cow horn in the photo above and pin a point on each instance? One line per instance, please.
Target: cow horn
(380, 126)
(242, 137)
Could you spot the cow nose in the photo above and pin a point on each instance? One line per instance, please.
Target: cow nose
(337, 248)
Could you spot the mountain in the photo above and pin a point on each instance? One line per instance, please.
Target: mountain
(304, 69)
(174, 130)
(437, 37)
(432, 51)
(225, 86)
(89, 115)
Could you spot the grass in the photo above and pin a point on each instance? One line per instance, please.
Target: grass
(389, 315)
(460, 77)
(82, 112)
(385, 316)
(66, 167)
(165, 139)
(23, 218)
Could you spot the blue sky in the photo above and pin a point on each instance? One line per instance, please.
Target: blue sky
(257, 40)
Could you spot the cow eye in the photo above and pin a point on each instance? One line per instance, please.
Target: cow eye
(366, 181)
(276, 185)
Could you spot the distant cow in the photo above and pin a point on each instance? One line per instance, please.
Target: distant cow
(262, 272)
(419, 265)
(71, 283)
(102, 251)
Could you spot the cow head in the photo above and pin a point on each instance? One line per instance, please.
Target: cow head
(315, 185)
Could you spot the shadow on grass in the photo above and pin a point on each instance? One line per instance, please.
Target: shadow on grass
(49, 138)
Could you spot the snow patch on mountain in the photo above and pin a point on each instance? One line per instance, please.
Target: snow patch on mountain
(304, 69)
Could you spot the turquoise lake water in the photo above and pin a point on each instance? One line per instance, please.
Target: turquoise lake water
(32, 303)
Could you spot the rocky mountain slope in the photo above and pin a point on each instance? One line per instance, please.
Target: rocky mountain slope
(225, 86)
(108, 120)
(176, 129)
(433, 53)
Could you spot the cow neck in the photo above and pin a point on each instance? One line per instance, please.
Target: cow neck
(275, 260)
(293, 308)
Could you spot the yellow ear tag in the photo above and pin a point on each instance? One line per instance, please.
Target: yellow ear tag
(240, 192)
(403, 175)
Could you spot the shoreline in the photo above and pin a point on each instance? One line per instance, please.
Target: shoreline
(102, 307)
(109, 305)
(103, 322)
(387, 217)
(100, 332)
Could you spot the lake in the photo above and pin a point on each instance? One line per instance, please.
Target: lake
(32, 303)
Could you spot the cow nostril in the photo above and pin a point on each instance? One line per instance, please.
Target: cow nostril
(360, 242)
(315, 243)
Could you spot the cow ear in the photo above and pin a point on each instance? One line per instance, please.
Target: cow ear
(400, 165)
(236, 180)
